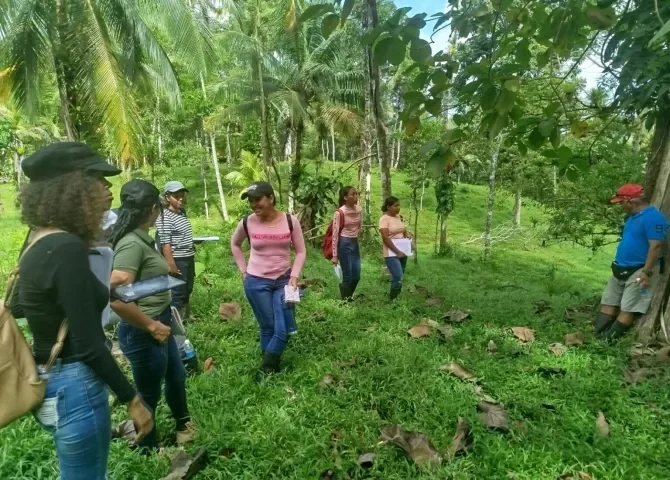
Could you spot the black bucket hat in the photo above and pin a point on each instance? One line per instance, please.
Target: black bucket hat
(65, 157)
(139, 193)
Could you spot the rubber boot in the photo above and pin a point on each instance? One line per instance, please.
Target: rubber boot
(269, 365)
(603, 322)
(615, 332)
(394, 293)
(344, 291)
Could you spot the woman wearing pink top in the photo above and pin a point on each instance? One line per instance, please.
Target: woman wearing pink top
(346, 230)
(271, 234)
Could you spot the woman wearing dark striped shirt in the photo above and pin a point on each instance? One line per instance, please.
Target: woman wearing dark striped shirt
(176, 239)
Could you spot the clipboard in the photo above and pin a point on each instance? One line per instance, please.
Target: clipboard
(146, 288)
(199, 240)
(402, 244)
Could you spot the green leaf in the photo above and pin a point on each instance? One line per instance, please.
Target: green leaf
(581, 163)
(601, 18)
(414, 97)
(523, 54)
(543, 58)
(546, 126)
(480, 69)
(501, 121)
(394, 21)
(506, 101)
(512, 84)
(329, 24)
(502, 5)
(572, 174)
(316, 11)
(371, 37)
(481, 11)
(434, 107)
(488, 97)
(412, 125)
(438, 161)
(663, 31)
(346, 9)
(453, 135)
(516, 113)
(440, 22)
(199, 268)
(420, 81)
(470, 88)
(420, 50)
(649, 122)
(428, 147)
(564, 154)
(551, 108)
(390, 50)
(555, 137)
(458, 119)
(523, 149)
(439, 77)
(536, 139)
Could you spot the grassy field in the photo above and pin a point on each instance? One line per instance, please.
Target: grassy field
(291, 428)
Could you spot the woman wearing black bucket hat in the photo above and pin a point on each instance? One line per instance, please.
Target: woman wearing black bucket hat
(144, 334)
(64, 204)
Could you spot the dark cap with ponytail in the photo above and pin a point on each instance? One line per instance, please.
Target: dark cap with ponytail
(138, 199)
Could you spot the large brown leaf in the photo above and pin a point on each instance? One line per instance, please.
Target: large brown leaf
(366, 461)
(635, 375)
(415, 444)
(602, 427)
(459, 371)
(493, 415)
(184, 466)
(209, 364)
(578, 476)
(572, 339)
(492, 347)
(456, 316)
(446, 331)
(420, 330)
(524, 334)
(663, 356)
(433, 301)
(557, 349)
(230, 311)
(463, 439)
(125, 430)
(328, 381)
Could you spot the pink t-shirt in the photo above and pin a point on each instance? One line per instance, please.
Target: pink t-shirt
(352, 224)
(270, 248)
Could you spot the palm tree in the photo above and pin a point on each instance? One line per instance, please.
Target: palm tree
(249, 171)
(100, 54)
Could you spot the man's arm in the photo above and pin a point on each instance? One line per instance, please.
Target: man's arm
(655, 247)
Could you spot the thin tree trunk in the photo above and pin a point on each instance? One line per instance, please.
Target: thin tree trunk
(229, 154)
(265, 128)
(491, 199)
(376, 97)
(288, 154)
(332, 138)
(203, 176)
(18, 172)
(423, 193)
(517, 208)
(657, 181)
(443, 234)
(294, 180)
(65, 92)
(215, 160)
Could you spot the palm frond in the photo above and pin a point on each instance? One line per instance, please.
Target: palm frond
(294, 102)
(340, 118)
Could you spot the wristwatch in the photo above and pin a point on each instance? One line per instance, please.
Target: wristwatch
(648, 273)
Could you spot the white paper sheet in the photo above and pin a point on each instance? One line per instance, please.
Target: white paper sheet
(402, 244)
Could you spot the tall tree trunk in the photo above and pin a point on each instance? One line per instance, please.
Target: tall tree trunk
(374, 85)
(229, 153)
(423, 193)
(332, 138)
(203, 176)
(18, 172)
(215, 160)
(63, 74)
(491, 199)
(265, 128)
(516, 221)
(294, 181)
(657, 182)
(288, 154)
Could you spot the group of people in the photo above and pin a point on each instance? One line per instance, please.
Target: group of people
(67, 206)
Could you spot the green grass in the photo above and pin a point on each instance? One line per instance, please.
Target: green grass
(284, 429)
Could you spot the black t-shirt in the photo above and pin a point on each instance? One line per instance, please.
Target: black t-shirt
(56, 282)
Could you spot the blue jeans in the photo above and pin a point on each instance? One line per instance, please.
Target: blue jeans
(350, 260)
(76, 412)
(397, 268)
(276, 318)
(182, 295)
(152, 363)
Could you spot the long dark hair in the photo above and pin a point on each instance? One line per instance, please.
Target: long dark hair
(389, 202)
(129, 219)
(344, 192)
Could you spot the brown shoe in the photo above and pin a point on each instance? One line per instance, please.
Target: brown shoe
(187, 435)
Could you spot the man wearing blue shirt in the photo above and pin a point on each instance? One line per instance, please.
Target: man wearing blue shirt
(635, 267)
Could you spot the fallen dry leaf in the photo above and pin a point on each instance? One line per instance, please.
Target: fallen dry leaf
(557, 349)
(445, 330)
(226, 452)
(184, 467)
(482, 395)
(420, 330)
(524, 334)
(492, 347)
(541, 306)
(636, 375)
(459, 371)
(371, 328)
(125, 430)
(493, 415)
(425, 291)
(230, 311)
(572, 339)
(350, 363)
(366, 461)
(328, 475)
(602, 427)
(463, 439)
(415, 444)
(456, 316)
(578, 476)
(209, 364)
(434, 301)
(328, 381)
(663, 356)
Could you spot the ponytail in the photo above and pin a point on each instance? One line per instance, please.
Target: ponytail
(344, 192)
(129, 219)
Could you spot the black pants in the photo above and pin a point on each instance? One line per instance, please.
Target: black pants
(182, 295)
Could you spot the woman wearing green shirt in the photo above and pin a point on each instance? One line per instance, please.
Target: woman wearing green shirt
(151, 349)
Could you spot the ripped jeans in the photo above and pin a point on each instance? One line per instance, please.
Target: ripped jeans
(76, 412)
